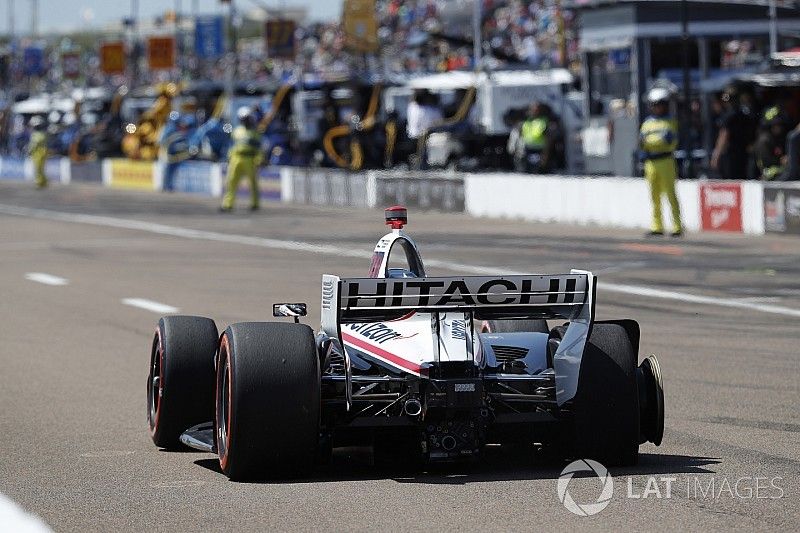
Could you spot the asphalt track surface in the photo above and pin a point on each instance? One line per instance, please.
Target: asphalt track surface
(74, 357)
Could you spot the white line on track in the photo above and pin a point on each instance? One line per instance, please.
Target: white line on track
(14, 518)
(299, 246)
(150, 305)
(47, 279)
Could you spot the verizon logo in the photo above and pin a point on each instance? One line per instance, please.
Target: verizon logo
(721, 198)
(719, 217)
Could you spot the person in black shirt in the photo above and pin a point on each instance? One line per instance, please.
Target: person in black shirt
(734, 141)
(770, 149)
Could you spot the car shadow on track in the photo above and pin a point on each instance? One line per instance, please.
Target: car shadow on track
(496, 464)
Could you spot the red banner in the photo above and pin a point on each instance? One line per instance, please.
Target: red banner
(71, 65)
(721, 206)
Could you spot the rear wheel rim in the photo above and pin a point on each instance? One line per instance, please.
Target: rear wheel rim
(651, 399)
(155, 383)
(223, 404)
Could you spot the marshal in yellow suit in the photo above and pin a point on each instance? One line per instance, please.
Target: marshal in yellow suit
(658, 139)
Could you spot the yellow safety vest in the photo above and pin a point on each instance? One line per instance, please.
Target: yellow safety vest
(534, 133)
(246, 143)
(658, 137)
(38, 142)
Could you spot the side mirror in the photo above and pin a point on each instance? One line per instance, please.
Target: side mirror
(290, 310)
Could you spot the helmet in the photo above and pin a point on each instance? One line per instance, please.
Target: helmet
(246, 117)
(658, 95)
(36, 122)
(243, 113)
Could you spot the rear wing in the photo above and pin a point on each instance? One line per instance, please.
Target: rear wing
(568, 296)
(348, 300)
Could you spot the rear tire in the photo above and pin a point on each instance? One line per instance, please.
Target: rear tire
(180, 385)
(268, 400)
(606, 405)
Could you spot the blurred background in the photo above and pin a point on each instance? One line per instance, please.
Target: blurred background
(331, 83)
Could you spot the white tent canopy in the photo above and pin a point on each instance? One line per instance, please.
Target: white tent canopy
(449, 81)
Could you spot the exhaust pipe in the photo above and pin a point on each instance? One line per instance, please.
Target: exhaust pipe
(412, 407)
(449, 442)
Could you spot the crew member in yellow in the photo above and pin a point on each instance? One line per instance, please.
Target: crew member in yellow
(37, 149)
(658, 139)
(243, 160)
(534, 136)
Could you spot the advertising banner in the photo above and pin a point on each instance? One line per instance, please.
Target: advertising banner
(161, 53)
(329, 187)
(71, 65)
(209, 37)
(422, 192)
(197, 177)
(33, 61)
(86, 171)
(280, 38)
(269, 185)
(782, 209)
(360, 25)
(721, 207)
(132, 175)
(112, 58)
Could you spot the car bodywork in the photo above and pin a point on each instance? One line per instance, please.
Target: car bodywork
(400, 349)
(439, 367)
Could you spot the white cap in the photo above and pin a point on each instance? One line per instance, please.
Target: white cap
(658, 94)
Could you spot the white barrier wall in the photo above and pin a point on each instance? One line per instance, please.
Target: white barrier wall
(620, 202)
(602, 201)
(753, 207)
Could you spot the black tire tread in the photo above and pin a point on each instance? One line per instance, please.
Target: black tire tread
(606, 418)
(275, 400)
(190, 344)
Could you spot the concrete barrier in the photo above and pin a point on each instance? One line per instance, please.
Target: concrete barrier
(56, 169)
(612, 201)
(13, 169)
(781, 203)
(708, 205)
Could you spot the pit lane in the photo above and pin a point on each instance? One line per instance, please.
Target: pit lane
(76, 450)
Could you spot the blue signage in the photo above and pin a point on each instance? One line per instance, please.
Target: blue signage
(209, 37)
(33, 61)
(194, 177)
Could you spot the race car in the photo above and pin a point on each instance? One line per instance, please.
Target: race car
(430, 368)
